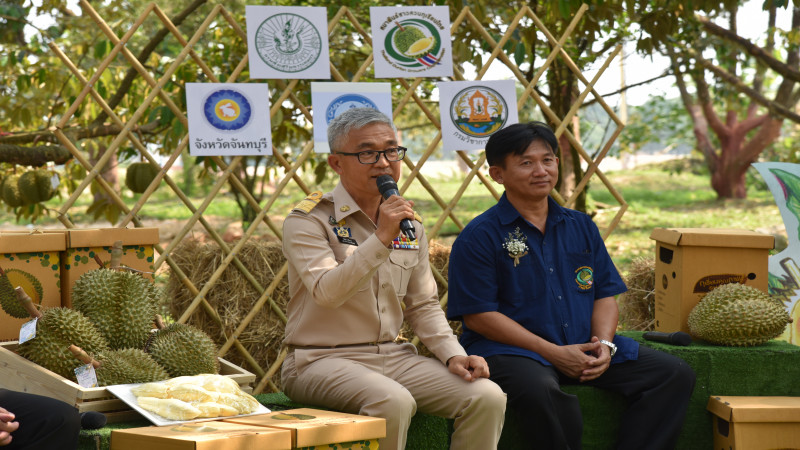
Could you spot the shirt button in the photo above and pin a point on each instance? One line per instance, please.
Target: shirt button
(551, 270)
(559, 297)
(385, 285)
(383, 310)
(566, 325)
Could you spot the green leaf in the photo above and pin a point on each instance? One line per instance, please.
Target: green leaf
(101, 49)
(520, 53)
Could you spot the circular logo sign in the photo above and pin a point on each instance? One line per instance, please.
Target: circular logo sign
(345, 102)
(478, 111)
(288, 42)
(413, 44)
(227, 110)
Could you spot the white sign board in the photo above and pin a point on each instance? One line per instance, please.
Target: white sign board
(228, 119)
(287, 42)
(471, 111)
(411, 41)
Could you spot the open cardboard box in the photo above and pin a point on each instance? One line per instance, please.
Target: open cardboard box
(755, 423)
(692, 261)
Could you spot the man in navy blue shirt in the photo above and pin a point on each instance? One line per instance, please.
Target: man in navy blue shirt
(534, 286)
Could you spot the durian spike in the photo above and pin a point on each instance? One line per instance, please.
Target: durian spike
(83, 356)
(27, 303)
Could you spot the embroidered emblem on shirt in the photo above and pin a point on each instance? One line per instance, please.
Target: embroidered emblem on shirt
(308, 203)
(515, 245)
(403, 242)
(344, 234)
(584, 278)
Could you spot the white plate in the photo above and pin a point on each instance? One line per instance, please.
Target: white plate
(123, 392)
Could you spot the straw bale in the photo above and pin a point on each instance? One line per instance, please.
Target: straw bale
(232, 295)
(637, 306)
(439, 257)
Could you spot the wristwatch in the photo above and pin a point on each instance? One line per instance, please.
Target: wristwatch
(610, 346)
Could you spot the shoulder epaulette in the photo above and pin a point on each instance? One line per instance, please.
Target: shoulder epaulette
(308, 203)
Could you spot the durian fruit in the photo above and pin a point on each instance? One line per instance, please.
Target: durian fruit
(182, 349)
(139, 176)
(120, 303)
(169, 408)
(209, 382)
(36, 186)
(11, 278)
(10, 191)
(212, 395)
(56, 329)
(738, 315)
(157, 390)
(243, 402)
(125, 366)
(213, 409)
(405, 37)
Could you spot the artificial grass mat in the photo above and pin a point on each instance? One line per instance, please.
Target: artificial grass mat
(771, 369)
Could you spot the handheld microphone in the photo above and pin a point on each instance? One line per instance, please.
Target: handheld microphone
(387, 187)
(674, 338)
(92, 420)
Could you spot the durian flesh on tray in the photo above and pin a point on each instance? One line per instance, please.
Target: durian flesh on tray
(195, 397)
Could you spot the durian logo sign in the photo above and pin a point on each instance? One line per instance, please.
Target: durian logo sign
(413, 44)
(411, 40)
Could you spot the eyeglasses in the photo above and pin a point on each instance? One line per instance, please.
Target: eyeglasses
(392, 154)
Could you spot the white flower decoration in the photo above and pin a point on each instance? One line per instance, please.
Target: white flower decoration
(515, 245)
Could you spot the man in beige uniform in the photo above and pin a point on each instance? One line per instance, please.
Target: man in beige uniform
(353, 278)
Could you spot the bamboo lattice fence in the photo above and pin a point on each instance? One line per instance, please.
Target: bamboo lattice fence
(266, 370)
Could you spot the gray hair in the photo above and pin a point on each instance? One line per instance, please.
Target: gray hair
(353, 119)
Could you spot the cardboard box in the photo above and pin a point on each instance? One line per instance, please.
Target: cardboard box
(692, 261)
(31, 260)
(83, 245)
(19, 374)
(318, 429)
(214, 435)
(755, 423)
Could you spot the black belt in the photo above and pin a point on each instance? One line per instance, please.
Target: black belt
(292, 347)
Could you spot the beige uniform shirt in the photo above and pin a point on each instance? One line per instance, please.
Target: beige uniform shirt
(347, 288)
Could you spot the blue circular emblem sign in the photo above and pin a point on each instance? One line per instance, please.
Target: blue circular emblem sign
(345, 102)
(227, 110)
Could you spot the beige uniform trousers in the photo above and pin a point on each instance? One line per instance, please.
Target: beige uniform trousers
(393, 382)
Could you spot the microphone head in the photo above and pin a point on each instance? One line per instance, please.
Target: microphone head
(385, 183)
(680, 338)
(92, 420)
